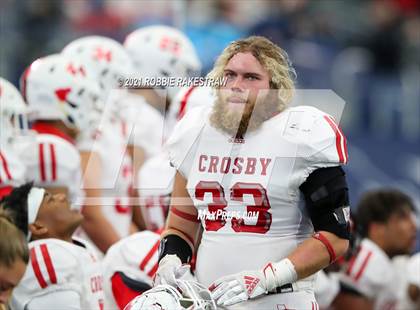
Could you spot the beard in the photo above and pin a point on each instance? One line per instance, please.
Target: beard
(252, 116)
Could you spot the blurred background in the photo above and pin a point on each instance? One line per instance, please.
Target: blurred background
(368, 52)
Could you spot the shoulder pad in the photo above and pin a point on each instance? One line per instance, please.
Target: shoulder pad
(12, 170)
(185, 133)
(321, 143)
(58, 151)
(53, 265)
(370, 271)
(136, 255)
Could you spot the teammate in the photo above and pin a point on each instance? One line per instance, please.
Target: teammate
(107, 167)
(157, 52)
(155, 191)
(161, 51)
(386, 221)
(327, 286)
(186, 99)
(63, 273)
(414, 280)
(61, 98)
(129, 267)
(155, 187)
(279, 165)
(13, 113)
(407, 271)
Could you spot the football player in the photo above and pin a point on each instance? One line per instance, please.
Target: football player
(327, 286)
(413, 272)
(407, 271)
(385, 220)
(260, 178)
(61, 98)
(155, 191)
(157, 52)
(13, 112)
(63, 273)
(161, 52)
(186, 99)
(129, 267)
(155, 187)
(107, 167)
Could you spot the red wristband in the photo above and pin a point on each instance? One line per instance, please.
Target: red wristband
(327, 244)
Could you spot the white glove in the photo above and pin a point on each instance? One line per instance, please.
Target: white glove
(171, 269)
(245, 285)
(238, 287)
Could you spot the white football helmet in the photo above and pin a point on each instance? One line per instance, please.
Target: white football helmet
(57, 88)
(105, 57)
(13, 111)
(162, 51)
(188, 295)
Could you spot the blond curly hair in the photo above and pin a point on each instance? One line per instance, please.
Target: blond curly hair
(274, 59)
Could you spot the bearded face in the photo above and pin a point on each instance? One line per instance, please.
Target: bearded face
(246, 101)
(237, 119)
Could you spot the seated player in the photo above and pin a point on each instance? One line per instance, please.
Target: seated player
(157, 175)
(129, 267)
(414, 279)
(327, 287)
(385, 220)
(12, 112)
(410, 298)
(63, 273)
(155, 187)
(61, 98)
(107, 168)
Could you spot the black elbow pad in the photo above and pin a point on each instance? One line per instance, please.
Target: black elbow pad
(327, 201)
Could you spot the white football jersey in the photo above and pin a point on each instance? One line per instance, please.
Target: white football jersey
(407, 270)
(136, 256)
(116, 174)
(401, 267)
(144, 123)
(373, 275)
(156, 180)
(57, 265)
(327, 287)
(413, 266)
(52, 161)
(12, 169)
(247, 191)
(186, 99)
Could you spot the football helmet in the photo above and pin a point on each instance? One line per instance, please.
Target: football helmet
(105, 57)
(57, 88)
(162, 51)
(13, 111)
(187, 295)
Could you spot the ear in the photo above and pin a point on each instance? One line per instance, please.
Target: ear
(38, 229)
